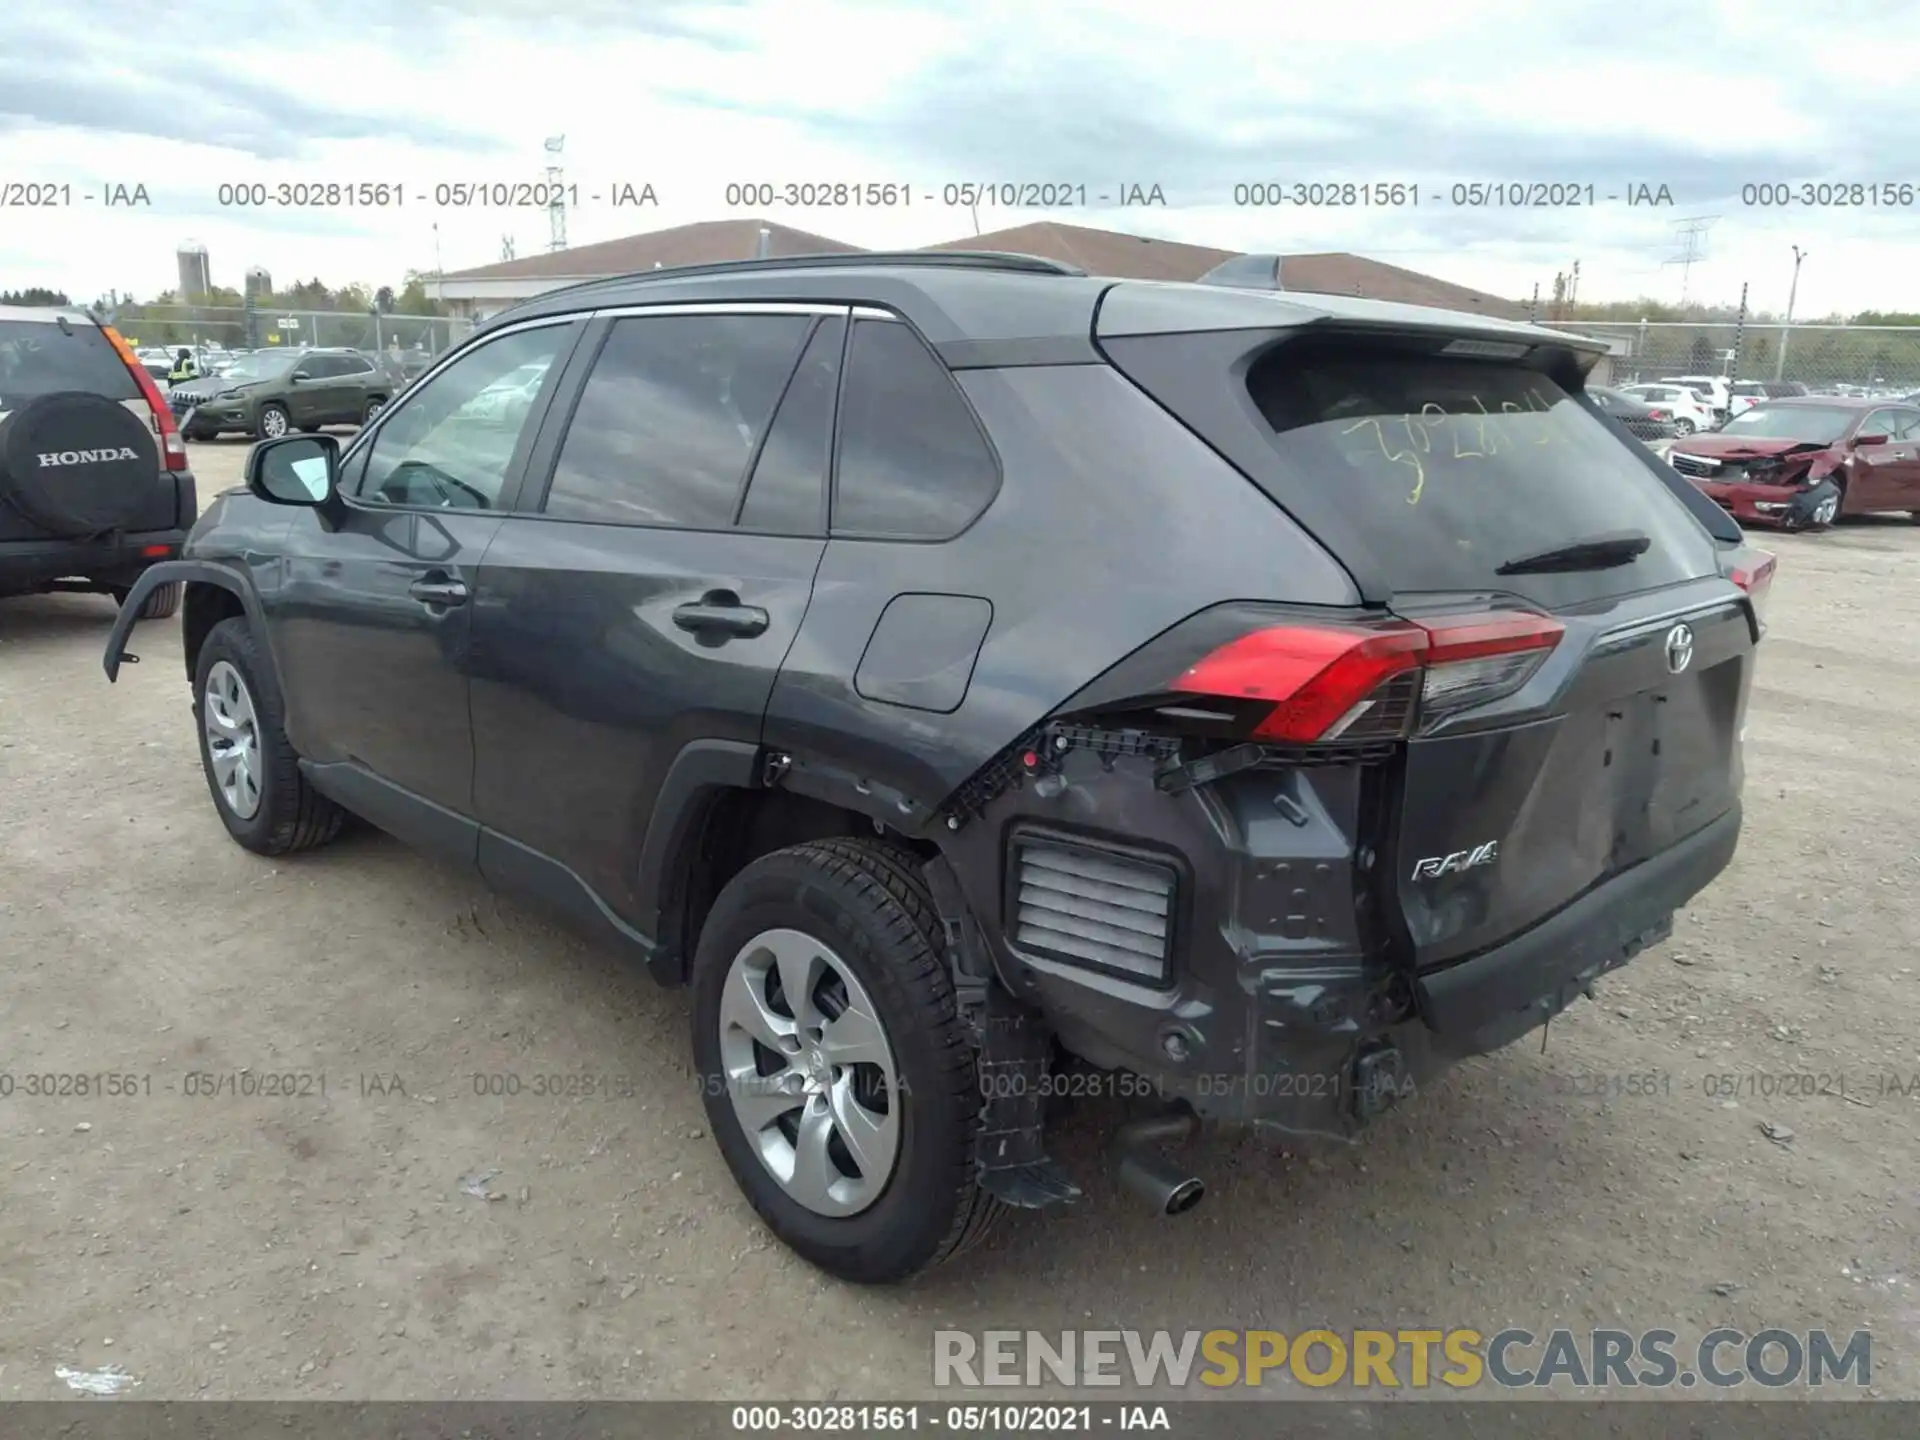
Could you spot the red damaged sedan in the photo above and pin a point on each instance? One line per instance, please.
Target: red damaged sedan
(1804, 462)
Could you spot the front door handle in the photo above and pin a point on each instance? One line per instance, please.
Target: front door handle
(438, 588)
(719, 612)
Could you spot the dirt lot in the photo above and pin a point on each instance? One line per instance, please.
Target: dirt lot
(317, 1246)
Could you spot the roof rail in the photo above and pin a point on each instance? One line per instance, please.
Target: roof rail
(933, 259)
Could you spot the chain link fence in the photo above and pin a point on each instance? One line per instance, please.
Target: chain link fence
(1826, 358)
(225, 327)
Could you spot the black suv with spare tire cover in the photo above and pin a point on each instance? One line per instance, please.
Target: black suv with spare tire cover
(969, 675)
(94, 484)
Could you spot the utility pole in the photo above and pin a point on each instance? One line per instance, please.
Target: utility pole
(556, 195)
(1786, 332)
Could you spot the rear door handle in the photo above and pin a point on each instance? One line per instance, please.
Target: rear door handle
(720, 612)
(438, 589)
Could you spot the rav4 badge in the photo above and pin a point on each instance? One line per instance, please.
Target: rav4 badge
(1435, 866)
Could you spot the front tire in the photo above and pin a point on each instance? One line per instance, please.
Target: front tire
(254, 776)
(274, 422)
(841, 1085)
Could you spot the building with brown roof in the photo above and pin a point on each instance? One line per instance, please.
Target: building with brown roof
(478, 293)
(486, 290)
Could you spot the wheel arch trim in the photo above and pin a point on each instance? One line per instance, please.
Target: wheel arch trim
(190, 572)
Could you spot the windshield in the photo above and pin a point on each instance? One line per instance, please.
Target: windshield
(1460, 466)
(256, 367)
(1807, 424)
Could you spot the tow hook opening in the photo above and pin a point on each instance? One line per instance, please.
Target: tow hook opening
(1146, 1171)
(1379, 1079)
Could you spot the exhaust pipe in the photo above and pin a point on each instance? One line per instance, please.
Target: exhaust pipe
(1142, 1167)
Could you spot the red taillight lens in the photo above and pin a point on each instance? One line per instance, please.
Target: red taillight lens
(173, 449)
(1658, 415)
(1352, 682)
(1753, 573)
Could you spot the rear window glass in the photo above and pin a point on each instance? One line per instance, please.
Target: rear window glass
(1454, 468)
(38, 358)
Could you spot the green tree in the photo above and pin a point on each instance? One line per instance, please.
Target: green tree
(34, 295)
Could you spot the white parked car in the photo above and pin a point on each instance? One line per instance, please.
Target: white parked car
(1716, 390)
(1690, 412)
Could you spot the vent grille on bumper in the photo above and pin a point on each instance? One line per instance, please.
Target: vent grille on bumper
(1092, 907)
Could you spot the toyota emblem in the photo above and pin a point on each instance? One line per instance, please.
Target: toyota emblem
(1679, 648)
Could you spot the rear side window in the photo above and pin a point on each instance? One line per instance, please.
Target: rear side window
(39, 358)
(1454, 468)
(669, 418)
(788, 492)
(913, 463)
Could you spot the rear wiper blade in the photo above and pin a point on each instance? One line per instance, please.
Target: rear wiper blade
(1597, 552)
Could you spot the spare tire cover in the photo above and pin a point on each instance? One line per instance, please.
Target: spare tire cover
(77, 464)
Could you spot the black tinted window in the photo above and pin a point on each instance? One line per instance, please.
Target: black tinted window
(668, 419)
(913, 462)
(1454, 468)
(38, 358)
(789, 487)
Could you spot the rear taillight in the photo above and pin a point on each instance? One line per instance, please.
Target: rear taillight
(1658, 415)
(173, 449)
(1753, 573)
(1339, 682)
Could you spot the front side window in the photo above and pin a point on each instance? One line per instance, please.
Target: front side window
(669, 419)
(451, 444)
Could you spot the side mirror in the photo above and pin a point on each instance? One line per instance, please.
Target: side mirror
(301, 470)
(1874, 439)
(298, 376)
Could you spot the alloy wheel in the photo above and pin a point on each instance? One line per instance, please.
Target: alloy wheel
(273, 424)
(233, 739)
(1825, 512)
(810, 1073)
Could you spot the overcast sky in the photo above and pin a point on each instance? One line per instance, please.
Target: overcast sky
(1196, 99)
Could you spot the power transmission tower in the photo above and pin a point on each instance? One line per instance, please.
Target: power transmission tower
(506, 247)
(1692, 238)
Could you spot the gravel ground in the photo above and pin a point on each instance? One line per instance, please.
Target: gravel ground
(324, 1246)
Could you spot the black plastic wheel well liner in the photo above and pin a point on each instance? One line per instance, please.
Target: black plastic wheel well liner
(713, 815)
(206, 604)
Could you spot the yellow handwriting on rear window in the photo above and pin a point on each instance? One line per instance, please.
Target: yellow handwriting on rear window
(1402, 441)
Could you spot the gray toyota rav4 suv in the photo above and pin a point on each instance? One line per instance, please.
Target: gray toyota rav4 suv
(963, 672)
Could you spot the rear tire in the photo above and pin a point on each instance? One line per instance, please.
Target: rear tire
(162, 602)
(861, 907)
(1683, 428)
(248, 722)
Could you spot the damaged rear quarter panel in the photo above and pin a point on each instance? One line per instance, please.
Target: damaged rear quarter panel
(1112, 524)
